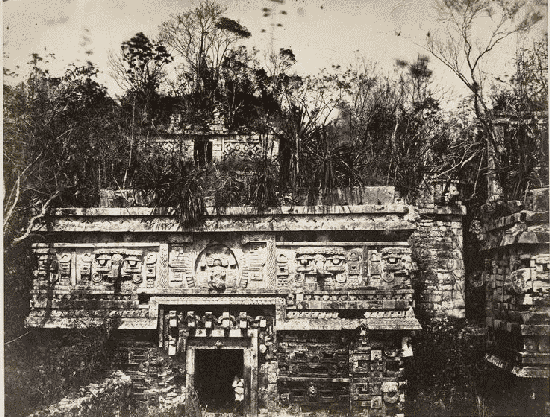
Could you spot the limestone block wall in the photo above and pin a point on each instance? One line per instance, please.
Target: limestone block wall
(438, 252)
(517, 282)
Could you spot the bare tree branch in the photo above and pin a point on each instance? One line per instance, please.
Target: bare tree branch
(33, 220)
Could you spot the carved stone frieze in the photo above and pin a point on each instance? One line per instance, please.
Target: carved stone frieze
(113, 265)
(217, 268)
(151, 269)
(181, 272)
(177, 325)
(321, 267)
(85, 266)
(64, 262)
(255, 255)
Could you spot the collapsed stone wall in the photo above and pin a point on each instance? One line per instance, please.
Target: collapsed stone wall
(117, 386)
(155, 376)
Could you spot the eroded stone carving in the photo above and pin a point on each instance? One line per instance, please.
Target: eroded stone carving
(64, 261)
(116, 265)
(255, 255)
(132, 268)
(328, 267)
(103, 266)
(151, 269)
(179, 263)
(45, 265)
(85, 263)
(217, 268)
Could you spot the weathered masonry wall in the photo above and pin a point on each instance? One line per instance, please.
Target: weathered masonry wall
(517, 281)
(312, 306)
(438, 252)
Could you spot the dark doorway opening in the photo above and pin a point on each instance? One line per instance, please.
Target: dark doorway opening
(203, 151)
(214, 373)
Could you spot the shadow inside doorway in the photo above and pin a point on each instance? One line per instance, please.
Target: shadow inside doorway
(214, 373)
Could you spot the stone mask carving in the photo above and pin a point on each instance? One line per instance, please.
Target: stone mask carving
(217, 267)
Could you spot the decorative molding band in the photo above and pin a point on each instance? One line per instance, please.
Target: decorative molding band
(98, 245)
(215, 300)
(239, 211)
(302, 244)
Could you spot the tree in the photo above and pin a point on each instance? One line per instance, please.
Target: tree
(307, 106)
(527, 89)
(202, 38)
(520, 106)
(389, 129)
(139, 70)
(61, 144)
(241, 101)
(460, 46)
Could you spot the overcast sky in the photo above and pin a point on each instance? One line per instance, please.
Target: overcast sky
(320, 32)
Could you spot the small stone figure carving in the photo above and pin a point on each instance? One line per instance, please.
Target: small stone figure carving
(116, 266)
(216, 280)
(390, 392)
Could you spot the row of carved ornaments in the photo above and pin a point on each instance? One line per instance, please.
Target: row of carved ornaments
(218, 267)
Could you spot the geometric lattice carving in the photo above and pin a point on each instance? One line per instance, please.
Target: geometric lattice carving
(180, 266)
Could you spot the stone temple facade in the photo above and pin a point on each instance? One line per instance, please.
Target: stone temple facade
(516, 276)
(311, 306)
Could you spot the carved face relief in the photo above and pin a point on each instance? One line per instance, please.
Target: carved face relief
(217, 268)
(103, 262)
(102, 267)
(132, 268)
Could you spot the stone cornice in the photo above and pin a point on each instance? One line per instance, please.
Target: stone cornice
(391, 217)
(236, 211)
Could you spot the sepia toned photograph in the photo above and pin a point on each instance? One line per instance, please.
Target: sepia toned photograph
(276, 208)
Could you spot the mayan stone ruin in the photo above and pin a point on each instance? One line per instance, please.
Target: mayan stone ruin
(313, 306)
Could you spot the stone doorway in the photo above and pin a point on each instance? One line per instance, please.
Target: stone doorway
(214, 373)
(210, 371)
